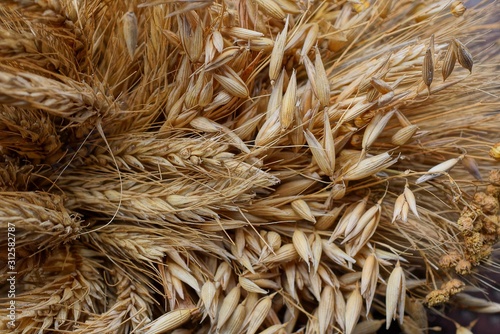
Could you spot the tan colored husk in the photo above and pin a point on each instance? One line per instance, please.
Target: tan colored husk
(188, 166)
(169, 321)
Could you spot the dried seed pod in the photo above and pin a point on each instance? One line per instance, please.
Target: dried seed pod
(369, 166)
(228, 306)
(321, 79)
(271, 8)
(403, 135)
(328, 141)
(410, 199)
(464, 56)
(326, 221)
(261, 44)
(359, 5)
(368, 326)
(184, 276)
(495, 151)
(301, 244)
(277, 54)
(206, 94)
(224, 57)
(326, 309)
(310, 39)
(316, 251)
(288, 103)
(130, 32)
(319, 153)
(428, 69)
(470, 164)
(369, 277)
(302, 209)
(169, 321)
(375, 128)
(449, 61)
(372, 215)
(207, 296)
(242, 33)
(353, 310)
(235, 322)
(395, 295)
(259, 314)
(380, 85)
(438, 170)
(232, 84)
(350, 218)
(457, 8)
(250, 286)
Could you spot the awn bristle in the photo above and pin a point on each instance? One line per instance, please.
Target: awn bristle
(247, 166)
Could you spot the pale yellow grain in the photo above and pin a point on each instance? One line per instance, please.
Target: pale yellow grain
(259, 314)
(288, 103)
(318, 153)
(395, 295)
(303, 210)
(130, 32)
(353, 310)
(464, 56)
(449, 60)
(250, 286)
(169, 321)
(277, 53)
(403, 135)
(228, 306)
(302, 246)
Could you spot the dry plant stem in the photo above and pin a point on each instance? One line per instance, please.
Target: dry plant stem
(250, 166)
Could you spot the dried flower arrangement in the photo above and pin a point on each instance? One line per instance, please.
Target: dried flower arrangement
(244, 166)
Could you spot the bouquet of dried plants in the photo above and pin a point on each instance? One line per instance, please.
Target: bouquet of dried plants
(244, 166)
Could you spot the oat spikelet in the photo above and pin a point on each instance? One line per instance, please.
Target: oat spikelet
(130, 31)
(395, 295)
